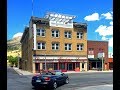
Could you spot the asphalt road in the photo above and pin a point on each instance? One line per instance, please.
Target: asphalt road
(77, 80)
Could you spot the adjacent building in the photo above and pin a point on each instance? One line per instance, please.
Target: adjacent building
(97, 54)
(54, 42)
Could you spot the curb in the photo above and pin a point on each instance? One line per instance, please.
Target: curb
(20, 73)
(88, 72)
(17, 71)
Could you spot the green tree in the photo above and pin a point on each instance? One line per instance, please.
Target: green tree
(16, 61)
(13, 60)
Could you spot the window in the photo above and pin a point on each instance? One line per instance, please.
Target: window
(41, 45)
(55, 46)
(67, 34)
(62, 65)
(40, 32)
(80, 35)
(91, 51)
(55, 33)
(77, 64)
(79, 47)
(68, 46)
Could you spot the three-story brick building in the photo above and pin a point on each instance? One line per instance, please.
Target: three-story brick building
(55, 42)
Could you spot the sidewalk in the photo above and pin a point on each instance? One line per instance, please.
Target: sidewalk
(22, 72)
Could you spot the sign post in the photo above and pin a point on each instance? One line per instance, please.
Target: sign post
(101, 55)
(102, 63)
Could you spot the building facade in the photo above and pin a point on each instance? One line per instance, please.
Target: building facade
(54, 43)
(97, 54)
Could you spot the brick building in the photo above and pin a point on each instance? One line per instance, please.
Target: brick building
(95, 48)
(110, 64)
(55, 42)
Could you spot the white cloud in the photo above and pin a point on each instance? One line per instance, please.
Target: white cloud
(111, 42)
(104, 38)
(104, 30)
(17, 35)
(111, 23)
(93, 17)
(107, 15)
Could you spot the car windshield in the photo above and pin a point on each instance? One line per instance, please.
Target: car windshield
(51, 73)
(58, 73)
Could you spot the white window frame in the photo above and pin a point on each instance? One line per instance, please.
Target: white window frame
(41, 32)
(41, 45)
(54, 33)
(68, 46)
(80, 47)
(80, 35)
(55, 46)
(68, 34)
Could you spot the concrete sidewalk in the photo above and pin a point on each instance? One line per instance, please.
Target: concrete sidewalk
(22, 72)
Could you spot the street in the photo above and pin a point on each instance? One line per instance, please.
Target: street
(77, 80)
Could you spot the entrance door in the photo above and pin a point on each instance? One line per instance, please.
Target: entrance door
(37, 67)
(70, 66)
(83, 66)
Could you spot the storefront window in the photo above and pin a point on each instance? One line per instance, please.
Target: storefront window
(55, 66)
(77, 64)
(62, 65)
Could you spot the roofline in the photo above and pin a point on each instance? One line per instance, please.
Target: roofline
(97, 41)
(25, 30)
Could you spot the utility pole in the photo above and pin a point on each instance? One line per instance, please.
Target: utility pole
(32, 7)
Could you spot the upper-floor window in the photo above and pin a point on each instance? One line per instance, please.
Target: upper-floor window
(55, 46)
(55, 33)
(41, 45)
(90, 50)
(79, 47)
(40, 32)
(101, 50)
(80, 35)
(68, 46)
(67, 34)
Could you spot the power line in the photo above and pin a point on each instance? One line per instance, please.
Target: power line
(32, 7)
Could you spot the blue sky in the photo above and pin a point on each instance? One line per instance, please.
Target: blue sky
(96, 13)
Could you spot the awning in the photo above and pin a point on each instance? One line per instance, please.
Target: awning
(94, 60)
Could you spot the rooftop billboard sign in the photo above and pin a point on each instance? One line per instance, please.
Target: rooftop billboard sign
(60, 20)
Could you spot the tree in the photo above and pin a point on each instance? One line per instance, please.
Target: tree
(13, 60)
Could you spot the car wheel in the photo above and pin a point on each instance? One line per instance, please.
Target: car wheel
(67, 81)
(54, 85)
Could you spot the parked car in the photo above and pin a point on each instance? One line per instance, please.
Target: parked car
(50, 79)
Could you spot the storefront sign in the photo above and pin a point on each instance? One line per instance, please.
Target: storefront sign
(90, 56)
(100, 55)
